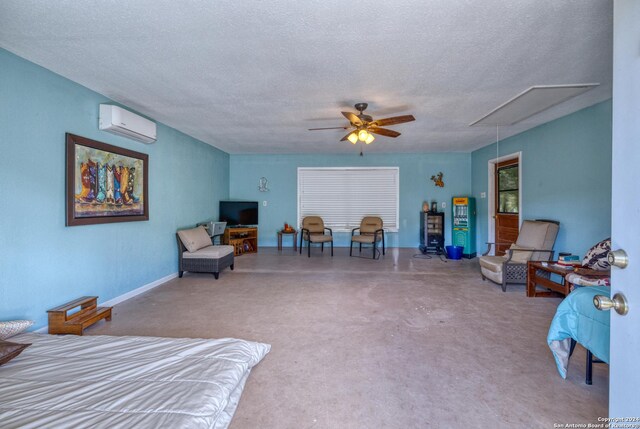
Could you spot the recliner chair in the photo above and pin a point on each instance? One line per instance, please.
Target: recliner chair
(535, 243)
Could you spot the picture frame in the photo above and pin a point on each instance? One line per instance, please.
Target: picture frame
(105, 183)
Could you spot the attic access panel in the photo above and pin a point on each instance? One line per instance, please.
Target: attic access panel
(530, 102)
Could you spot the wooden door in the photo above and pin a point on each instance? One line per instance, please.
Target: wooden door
(507, 205)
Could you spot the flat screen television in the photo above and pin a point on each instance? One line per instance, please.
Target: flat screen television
(239, 213)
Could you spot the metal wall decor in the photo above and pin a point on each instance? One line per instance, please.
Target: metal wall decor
(437, 180)
(262, 185)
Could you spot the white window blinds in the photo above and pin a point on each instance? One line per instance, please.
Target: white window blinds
(343, 196)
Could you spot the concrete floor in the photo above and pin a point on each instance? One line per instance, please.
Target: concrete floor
(400, 342)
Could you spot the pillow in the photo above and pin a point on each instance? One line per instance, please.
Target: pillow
(13, 327)
(520, 256)
(195, 238)
(596, 257)
(10, 350)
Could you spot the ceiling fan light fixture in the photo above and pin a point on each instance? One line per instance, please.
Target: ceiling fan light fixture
(369, 138)
(363, 126)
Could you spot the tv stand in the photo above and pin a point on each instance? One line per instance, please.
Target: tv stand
(243, 239)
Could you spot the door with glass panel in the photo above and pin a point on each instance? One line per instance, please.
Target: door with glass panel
(507, 209)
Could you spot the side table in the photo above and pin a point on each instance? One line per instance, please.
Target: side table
(539, 273)
(294, 234)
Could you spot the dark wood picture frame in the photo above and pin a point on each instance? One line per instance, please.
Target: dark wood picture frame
(90, 207)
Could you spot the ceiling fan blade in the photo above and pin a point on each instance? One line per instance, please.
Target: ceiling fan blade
(352, 118)
(394, 120)
(329, 128)
(384, 132)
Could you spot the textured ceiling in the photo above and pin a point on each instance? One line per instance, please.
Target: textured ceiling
(251, 77)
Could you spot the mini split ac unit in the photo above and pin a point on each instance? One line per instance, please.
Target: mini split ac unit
(117, 120)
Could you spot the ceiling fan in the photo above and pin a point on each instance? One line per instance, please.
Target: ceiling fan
(364, 126)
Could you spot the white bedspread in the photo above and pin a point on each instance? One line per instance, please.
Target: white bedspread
(125, 382)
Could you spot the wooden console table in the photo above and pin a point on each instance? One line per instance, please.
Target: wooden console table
(539, 274)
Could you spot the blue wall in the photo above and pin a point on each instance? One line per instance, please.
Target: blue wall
(44, 263)
(415, 187)
(566, 176)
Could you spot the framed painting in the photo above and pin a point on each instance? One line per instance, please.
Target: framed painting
(105, 183)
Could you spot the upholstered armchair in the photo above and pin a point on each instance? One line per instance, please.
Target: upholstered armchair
(197, 254)
(369, 232)
(535, 243)
(314, 231)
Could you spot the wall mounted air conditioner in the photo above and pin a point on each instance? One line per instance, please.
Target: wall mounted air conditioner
(117, 120)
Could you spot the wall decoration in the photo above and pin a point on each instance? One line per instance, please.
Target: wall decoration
(438, 180)
(105, 183)
(262, 184)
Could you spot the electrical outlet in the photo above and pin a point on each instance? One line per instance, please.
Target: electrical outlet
(483, 195)
(444, 205)
(264, 204)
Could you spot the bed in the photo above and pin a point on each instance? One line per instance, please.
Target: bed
(123, 382)
(576, 318)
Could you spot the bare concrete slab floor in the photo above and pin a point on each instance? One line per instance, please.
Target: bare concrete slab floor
(401, 342)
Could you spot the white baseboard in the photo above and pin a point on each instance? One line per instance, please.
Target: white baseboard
(138, 291)
(125, 296)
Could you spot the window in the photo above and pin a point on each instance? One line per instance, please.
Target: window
(508, 189)
(343, 196)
